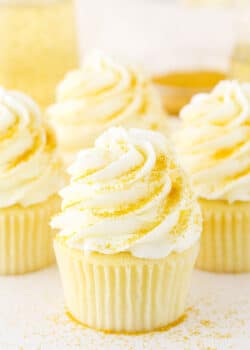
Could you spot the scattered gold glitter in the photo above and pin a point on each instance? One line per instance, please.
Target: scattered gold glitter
(161, 329)
(206, 323)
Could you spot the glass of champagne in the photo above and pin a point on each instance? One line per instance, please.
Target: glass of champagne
(37, 45)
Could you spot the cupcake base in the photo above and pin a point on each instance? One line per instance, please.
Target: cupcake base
(26, 239)
(225, 240)
(121, 293)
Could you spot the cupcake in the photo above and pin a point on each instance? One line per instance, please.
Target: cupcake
(128, 233)
(30, 177)
(214, 145)
(100, 95)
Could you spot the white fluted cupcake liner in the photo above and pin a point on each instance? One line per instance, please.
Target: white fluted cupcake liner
(225, 240)
(121, 293)
(26, 239)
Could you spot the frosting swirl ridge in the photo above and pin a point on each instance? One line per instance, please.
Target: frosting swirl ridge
(100, 95)
(214, 142)
(128, 194)
(30, 169)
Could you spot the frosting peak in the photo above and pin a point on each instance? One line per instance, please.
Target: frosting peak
(100, 95)
(214, 142)
(30, 170)
(128, 194)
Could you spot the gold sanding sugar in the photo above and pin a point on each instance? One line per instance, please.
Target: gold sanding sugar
(37, 46)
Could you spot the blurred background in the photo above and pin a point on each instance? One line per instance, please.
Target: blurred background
(187, 46)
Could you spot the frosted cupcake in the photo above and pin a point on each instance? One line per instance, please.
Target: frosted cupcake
(214, 145)
(129, 231)
(30, 176)
(103, 93)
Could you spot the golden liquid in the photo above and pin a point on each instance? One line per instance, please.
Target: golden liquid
(240, 63)
(37, 46)
(177, 88)
(191, 79)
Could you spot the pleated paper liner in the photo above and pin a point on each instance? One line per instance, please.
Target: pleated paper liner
(121, 293)
(225, 241)
(26, 239)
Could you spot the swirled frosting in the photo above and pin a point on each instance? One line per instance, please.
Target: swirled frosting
(30, 170)
(128, 194)
(102, 94)
(214, 142)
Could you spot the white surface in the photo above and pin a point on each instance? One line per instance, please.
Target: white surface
(32, 317)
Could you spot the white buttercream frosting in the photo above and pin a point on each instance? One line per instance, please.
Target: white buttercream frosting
(128, 193)
(102, 94)
(30, 169)
(214, 142)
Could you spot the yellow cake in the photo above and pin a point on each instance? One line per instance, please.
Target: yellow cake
(30, 176)
(102, 94)
(129, 232)
(214, 145)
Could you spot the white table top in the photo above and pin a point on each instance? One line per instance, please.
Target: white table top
(32, 317)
